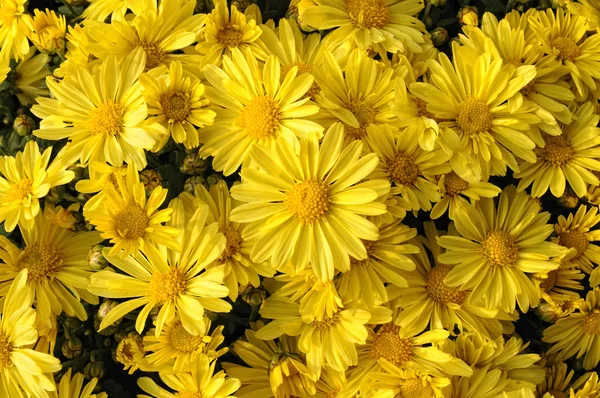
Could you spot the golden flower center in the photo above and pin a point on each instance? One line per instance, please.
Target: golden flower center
(439, 291)
(20, 190)
(365, 115)
(166, 287)
(568, 49)
(422, 106)
(155, 56)
(389, 345)
(302, 68)
(234, 242)
(591, 323)
(474, 116)
(261, 117)
(229, 36)
(557, 150)
(131, 223)
(500, 248)
(183, 341)
(574, 239)
(176, 105)
(42, 262)
(454, 184)
(402, 169)
(548, 283)
(368, 13)
(6, 348)
(308, 200)
(327, 322)
(107, 119)
(415, 388)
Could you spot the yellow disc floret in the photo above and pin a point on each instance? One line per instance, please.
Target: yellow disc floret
(500, 248)
(474, 116)
(131, 223)
(308, 200)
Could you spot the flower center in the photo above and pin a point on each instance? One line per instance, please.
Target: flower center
(234, 242)
(574, 239)
(308, 200)
(107, 119)
(389, 345)
(42, 262)
(327, 322)
(548, 283)
(454, 184)
(183, 341)
(568, 49)
(557, 394)
(261, 117)
(6, 348)
(474, 116)
(368, 13)
(20, 190)
(557, 150)
(229, 36)
(500, 248)
(176, 105)
(166, 287)
(416, 388)
(422, 105)
(402, 169)
(154, 55)
(439, 291)
(364, 113)
(591, 323)
(131, 223)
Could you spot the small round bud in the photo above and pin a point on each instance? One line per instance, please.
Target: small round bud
(105, 308)
(96, 259)
(254, 296)
(130, 351)
(439, 36)
(94, 369)
(55, 195)
(241, 5)
(569, 200)
(193, 164)
(438, 3)
(72, 348)
(151, 179)
(213, 179)
(23, 125)
(72, 323)
(468, 16)
(191, 183)
(428, 22)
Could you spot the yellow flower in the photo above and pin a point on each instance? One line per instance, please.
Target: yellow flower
(168, 279)
(590, 9)
(99, 10)
(129, 219)
(60, 216)
(131, 352)
(78, 55)
(468, 16)
(48, 31)
(551, 312)
(71, 387)
(575, 232)
(31, 72)
(102, 113)
(309, 208)
(201, 382)
(23, 371)
(406, 383)
(586, 386)
(13, 28)
(557, 380)
(498, 247)
(28, 177)
(56, 259)
(558, 285)
(254, 108)
(102, 176)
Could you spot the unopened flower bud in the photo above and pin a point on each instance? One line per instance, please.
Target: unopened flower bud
(23, 125)
(191, 183)
(468, 16)
(94, 369)
(55, 195)
(72, 348)
(151, 179)
(193, 164)
(96, 259)
(439, 36)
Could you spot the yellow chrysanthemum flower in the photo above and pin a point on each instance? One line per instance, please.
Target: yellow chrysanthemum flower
(557, 381)
(78, 55)
(590, 9)
(23, 371)
(201, 382)
(396, 382)
(309, 208)
(129, 219)
(551, 312)
(570, 157)
(60, 216)
(13, 28)
(72, 387)
(31, 73)
(178, 104)
(560, 285)
(588, 385)
(579, 333)
(99, 10)
(165, 278)
(131, 353)
(101, 176)
(48, 31)
(254, 108)
(56, 259)
(389, 24)
(575, 232)
(26, 178)
(226, 30)
(102, 113)
(498, 247)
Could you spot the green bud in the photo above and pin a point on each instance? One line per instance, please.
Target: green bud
(80, 174)
(72, 323)
(55, 195)
(107, 343)
(96, 259)
(241, 5)
(438, 3)
(107, 331)
(151, 179)
(569, 200)
(214, 179)
(193, 164)
(191, 183)
(121, 333)
(23, 125)
(254, 296)
(439, 36)
(94, 369)
(72, 348)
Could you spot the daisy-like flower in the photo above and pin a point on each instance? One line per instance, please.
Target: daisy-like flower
(427, 301)
(13, 28)
(58, 272)
(226, 30)
(102, 113)
(498, 247)
(578, 333)
(23, 371)
(409, 168)
(240, 270)
(275, 367)
(178, 104)
(570, 157)
(48, 31)
(169, 279)
(590, 9)
(406, 383)
(159, 32)
(202, 381)
(476, 124)
(73, 387)
(586, 386)
(131, 352)
(551, 312)
(26, 178)
(309, 208)
(176, 349)
(358, 94)
(60, 216)
(387, 24)
(560, 285)
(77, 54)
(575, 232)
(102, 176)
(253, 110)
(99, 10)
(129, 219)
(557, 380)
(31, 72)
(454, 192)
